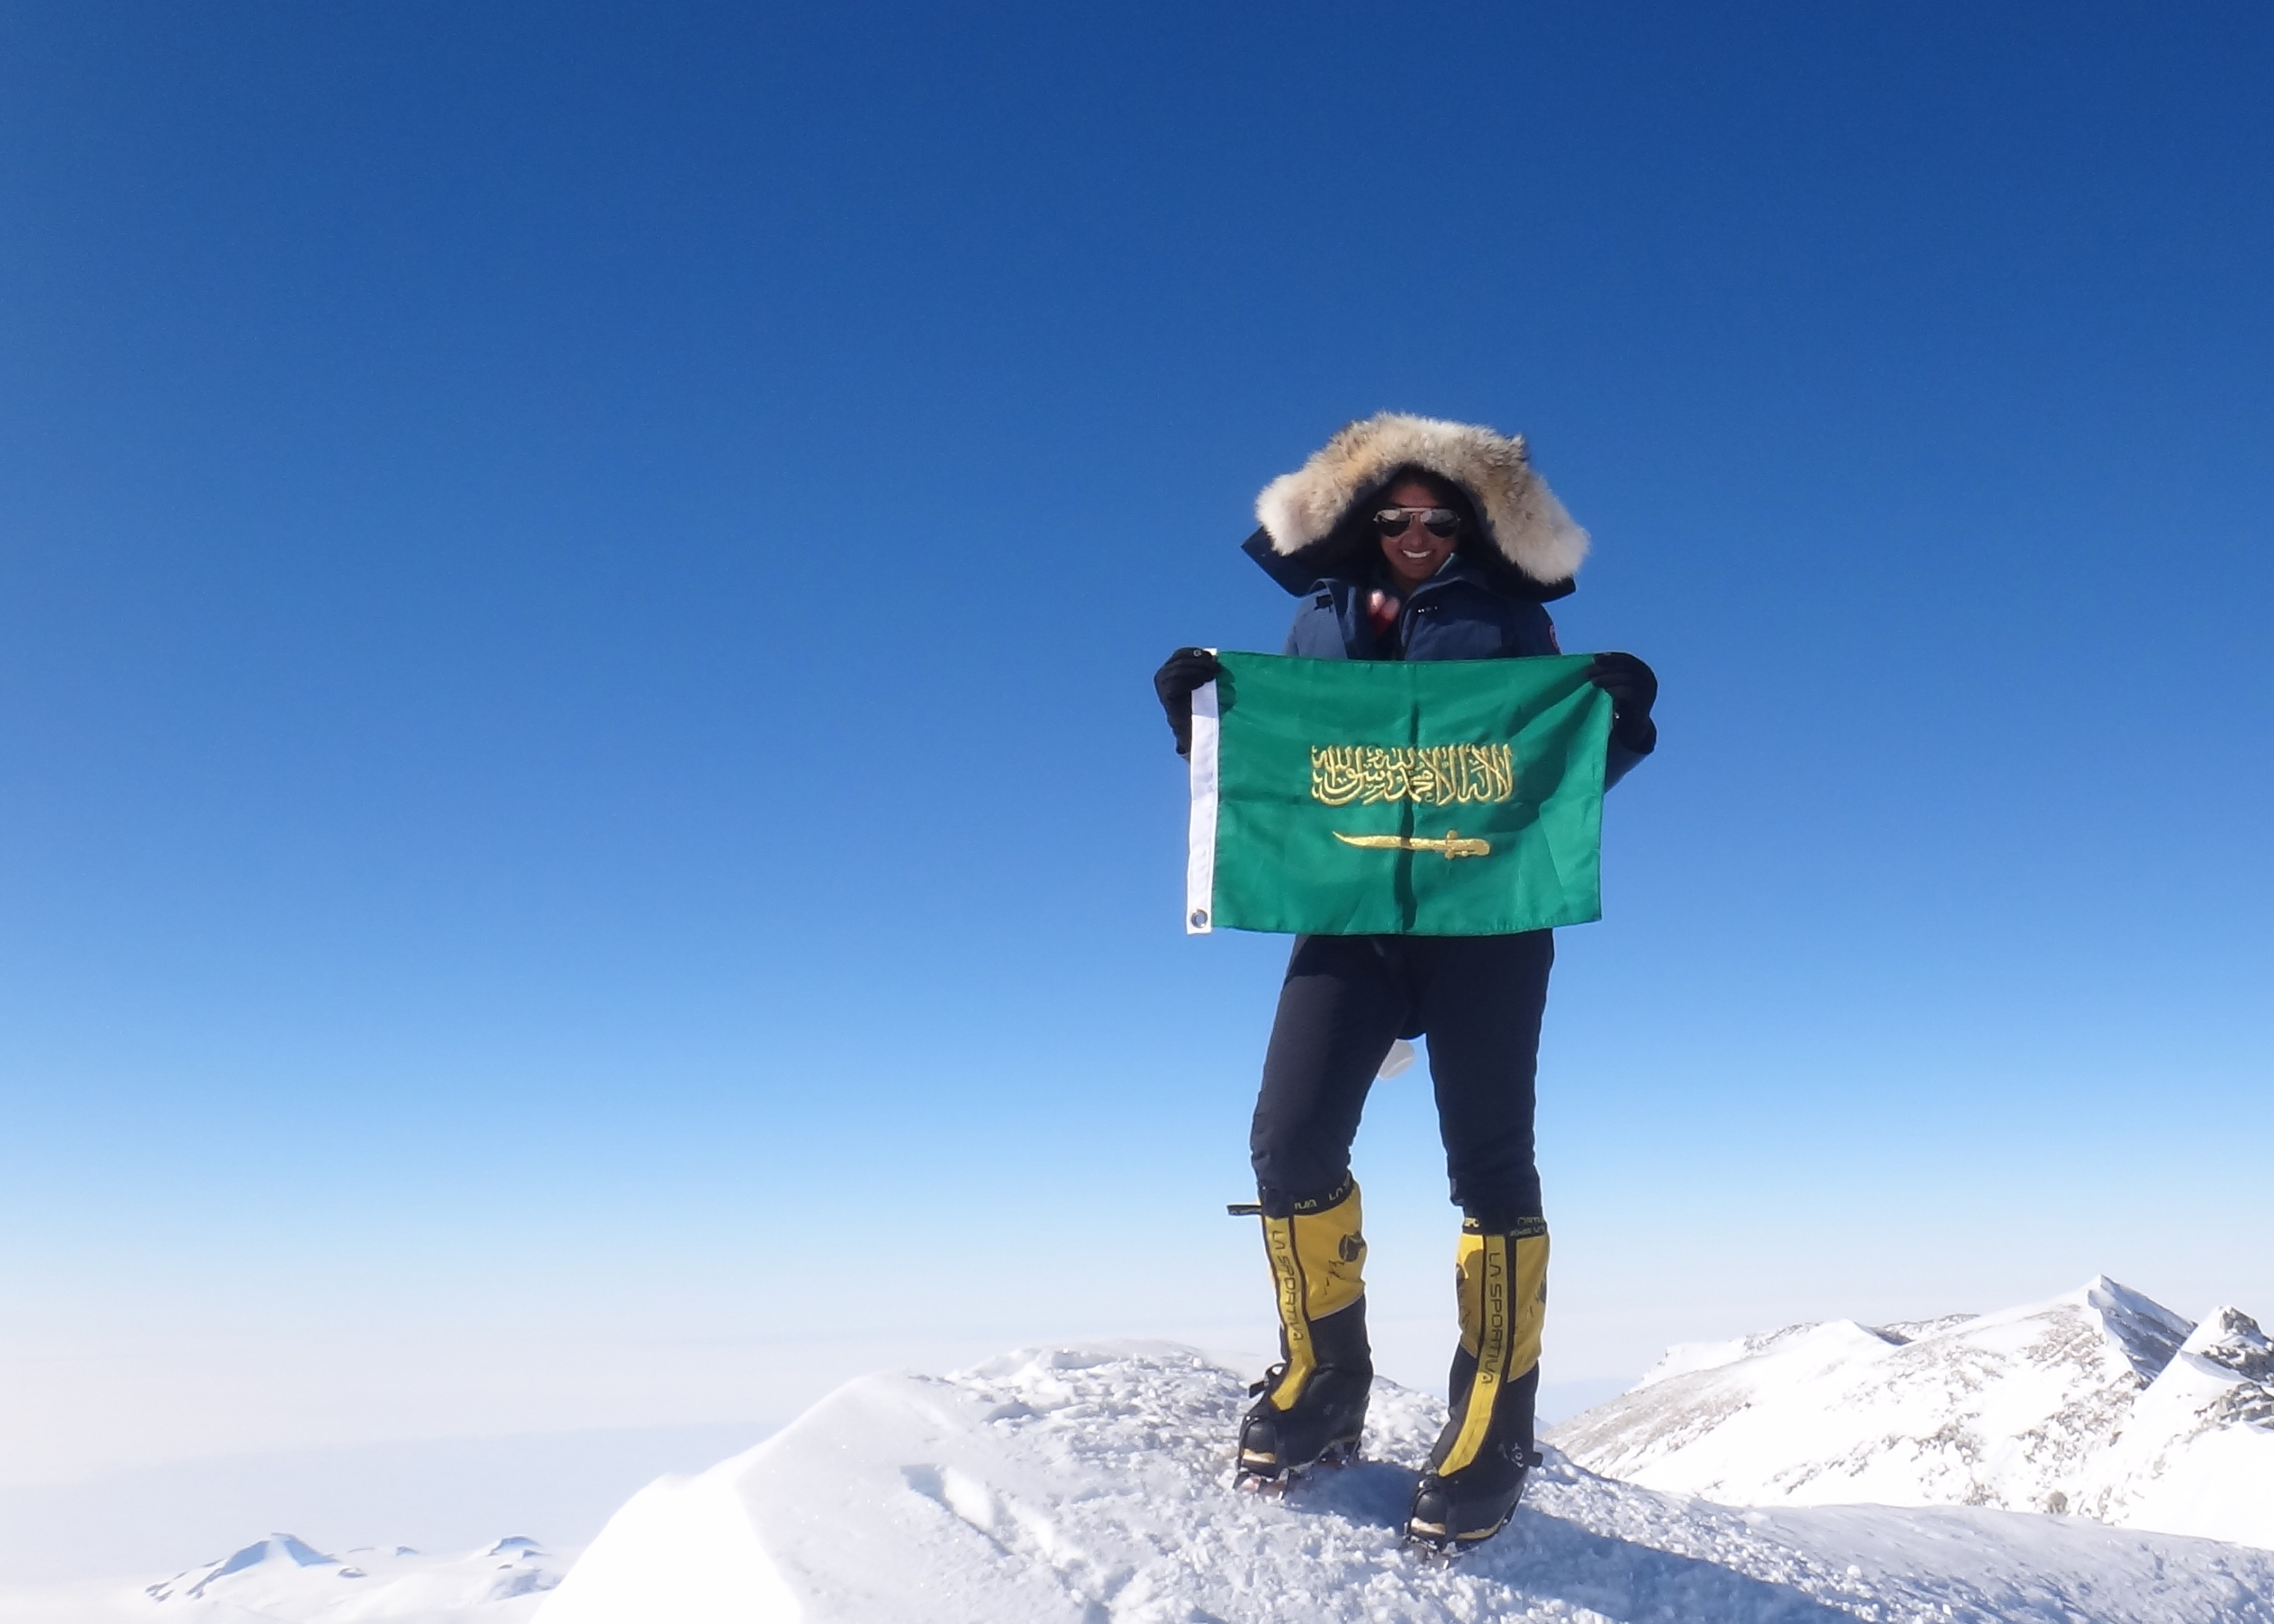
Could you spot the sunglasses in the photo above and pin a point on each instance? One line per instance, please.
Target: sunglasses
(1439, 521)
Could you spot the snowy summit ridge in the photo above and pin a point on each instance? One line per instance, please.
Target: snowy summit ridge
(1094, 1485)
(2035, 1466)
(2101, 1402)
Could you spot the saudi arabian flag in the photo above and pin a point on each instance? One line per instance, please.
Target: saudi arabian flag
(1445, 798)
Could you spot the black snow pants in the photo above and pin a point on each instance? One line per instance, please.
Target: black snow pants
(1345, 999)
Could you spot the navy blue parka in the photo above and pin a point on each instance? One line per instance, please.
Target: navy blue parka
(1462, 613)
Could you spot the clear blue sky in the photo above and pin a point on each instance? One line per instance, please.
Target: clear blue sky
(577, 585)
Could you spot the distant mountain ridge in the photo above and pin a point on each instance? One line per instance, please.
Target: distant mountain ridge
(2100, 1404)
(285, 1579)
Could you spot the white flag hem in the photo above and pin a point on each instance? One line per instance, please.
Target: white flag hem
(1199, 852)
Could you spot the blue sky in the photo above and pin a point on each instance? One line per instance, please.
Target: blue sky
(577, 776)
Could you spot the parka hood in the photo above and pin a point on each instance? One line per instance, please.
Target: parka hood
(1307, 516)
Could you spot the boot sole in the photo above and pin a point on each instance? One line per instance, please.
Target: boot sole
(1261, 1474)
(1437, 1537)
(1433, 1538)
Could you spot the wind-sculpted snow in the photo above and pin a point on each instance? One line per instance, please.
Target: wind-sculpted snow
(1092, 1485)
(2100, 1402)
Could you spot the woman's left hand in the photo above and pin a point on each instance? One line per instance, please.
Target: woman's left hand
(1633, 688)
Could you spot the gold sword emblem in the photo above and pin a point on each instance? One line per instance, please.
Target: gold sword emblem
(1451, 847)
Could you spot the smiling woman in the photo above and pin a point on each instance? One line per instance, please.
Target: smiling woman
(1418, 533)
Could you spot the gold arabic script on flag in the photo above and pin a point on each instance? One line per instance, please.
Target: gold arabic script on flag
(1434, 775)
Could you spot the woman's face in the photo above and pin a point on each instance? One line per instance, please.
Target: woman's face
(1414, 554)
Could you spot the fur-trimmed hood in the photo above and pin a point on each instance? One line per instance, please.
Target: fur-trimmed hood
(1307, 516)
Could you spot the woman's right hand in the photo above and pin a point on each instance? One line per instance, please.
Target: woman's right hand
(1179, 674)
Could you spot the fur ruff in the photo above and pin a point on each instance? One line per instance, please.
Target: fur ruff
(1522, 519)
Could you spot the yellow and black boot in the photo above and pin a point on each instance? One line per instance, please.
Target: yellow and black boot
(1311, 1406)
(1477, 1471)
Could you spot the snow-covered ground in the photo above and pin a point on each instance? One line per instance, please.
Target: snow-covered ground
(2100, 1402)
(280, 1580)
(2047, 1464)
(1092, 1485)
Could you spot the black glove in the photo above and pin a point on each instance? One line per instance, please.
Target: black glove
(1633, 688)
(1179, 674)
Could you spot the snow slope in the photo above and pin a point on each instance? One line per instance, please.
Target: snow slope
(282, 1580)
(2100, 1402)
(1092, 1485)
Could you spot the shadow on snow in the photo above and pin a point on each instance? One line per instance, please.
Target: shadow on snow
(1542, 1556)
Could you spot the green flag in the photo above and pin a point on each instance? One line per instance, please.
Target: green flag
(1442, 798)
